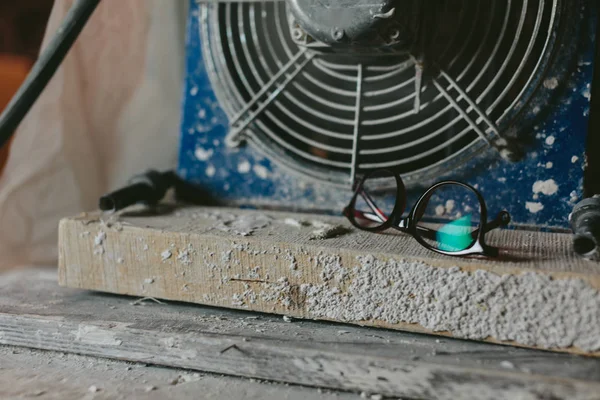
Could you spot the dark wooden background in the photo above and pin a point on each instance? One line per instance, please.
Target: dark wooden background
(22, 26)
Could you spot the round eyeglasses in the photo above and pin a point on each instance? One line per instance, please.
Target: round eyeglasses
(450, 217)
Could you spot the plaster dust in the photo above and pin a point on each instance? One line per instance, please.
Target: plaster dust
(244, 167)
(551, 83)
(245, 225)
(210, 170)
(534, 207)
(479, 305)
(165, 255)
(261, 171)
(203, 154)
(294, 222)
(99, 238)
(327, 231)
(547, 188)
(323, 230)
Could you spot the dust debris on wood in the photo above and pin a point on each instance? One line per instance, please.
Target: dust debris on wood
(143, 301)
(327, 231)
(507, 364)
(165, 255)
(245, 225)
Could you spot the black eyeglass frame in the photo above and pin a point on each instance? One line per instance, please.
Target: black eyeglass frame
(409, 224)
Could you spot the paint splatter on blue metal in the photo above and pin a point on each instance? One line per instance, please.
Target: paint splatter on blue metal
(241, 176)
(553, 166)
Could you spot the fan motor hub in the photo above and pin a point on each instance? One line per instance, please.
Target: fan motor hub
(355, 23)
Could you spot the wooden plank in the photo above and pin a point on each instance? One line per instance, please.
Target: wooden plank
(35, 312)
(538, 294)
(29, 373)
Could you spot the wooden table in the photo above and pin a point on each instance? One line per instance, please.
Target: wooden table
(36, 313)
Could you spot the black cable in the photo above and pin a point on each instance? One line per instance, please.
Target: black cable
(45, 68)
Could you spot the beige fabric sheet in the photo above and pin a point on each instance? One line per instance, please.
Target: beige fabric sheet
(111, 111)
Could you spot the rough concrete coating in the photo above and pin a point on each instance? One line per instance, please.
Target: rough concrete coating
(278, 268)
(530, 309)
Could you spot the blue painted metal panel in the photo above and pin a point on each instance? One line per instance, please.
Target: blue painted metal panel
(553, 166)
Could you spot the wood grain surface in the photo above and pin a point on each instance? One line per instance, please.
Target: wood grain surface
(36, 313)
(537, 294)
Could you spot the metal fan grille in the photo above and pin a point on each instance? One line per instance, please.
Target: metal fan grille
(332, 117)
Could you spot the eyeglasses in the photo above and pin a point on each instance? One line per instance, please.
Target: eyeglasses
(450, 218)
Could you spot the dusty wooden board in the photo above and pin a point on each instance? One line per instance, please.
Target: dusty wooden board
(537, 295)
(47, 375)
(36, 313)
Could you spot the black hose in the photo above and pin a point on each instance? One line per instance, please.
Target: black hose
(148, 188)
(151, 187)
(45, 68)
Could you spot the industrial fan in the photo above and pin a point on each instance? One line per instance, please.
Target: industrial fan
(326, 91)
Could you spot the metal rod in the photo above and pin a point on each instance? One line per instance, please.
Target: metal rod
(418, 86)
(359, 79)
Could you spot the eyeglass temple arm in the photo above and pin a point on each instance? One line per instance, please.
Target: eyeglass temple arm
(369, 216)
(377, 216)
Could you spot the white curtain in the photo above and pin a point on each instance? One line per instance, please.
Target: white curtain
(111, 111)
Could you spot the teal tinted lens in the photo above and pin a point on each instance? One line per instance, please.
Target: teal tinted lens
(451, 218)
(455, 235)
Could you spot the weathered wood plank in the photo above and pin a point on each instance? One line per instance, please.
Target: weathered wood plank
(35, 312)
(539, 294)
(47, 375)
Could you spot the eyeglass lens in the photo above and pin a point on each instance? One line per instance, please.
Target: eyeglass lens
(450, 219)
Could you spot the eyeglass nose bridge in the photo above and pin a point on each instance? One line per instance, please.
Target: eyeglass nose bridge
(404, 224)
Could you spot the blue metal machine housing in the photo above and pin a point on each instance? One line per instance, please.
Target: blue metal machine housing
(539, 190)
